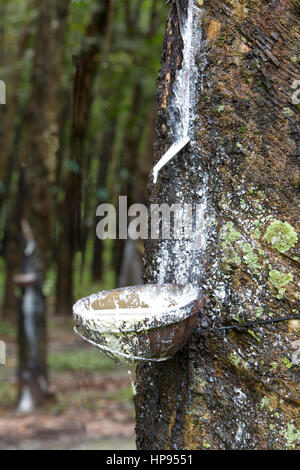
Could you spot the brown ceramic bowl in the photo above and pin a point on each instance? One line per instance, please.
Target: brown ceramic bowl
(140, 323)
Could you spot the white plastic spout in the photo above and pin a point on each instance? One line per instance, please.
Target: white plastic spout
(182, 94)
(173, 150)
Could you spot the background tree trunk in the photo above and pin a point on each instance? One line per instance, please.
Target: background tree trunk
(39, 161)
(86, 65)
(106, 155)
(231, 389)
(130, 161)
(32, 340)
(9, 165)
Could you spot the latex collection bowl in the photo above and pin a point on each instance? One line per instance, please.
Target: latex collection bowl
(140, 323)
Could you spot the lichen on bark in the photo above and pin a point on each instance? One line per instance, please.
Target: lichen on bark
(281, 235)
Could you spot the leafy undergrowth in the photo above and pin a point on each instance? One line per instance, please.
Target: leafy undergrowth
(89, 360)
(90, 399)
(8, 395)
(7, 331)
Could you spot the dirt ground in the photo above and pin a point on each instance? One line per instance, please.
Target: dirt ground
(90, 410)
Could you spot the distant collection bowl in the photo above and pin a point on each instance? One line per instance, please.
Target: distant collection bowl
(141, 323)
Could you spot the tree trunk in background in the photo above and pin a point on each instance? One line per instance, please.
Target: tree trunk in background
(146, 162)
(86, 64)
(39, 160)
(130, 160)
(9, 163)
(137, 119)
(9, 111)
(231, 389)
(12, 254)
(129, 164)
(106, 155)
(32, 339)
(131, 266)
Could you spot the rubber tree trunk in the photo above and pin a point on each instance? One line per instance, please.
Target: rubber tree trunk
(231, 389)
(32, 340)
(39, 169)
(9, 163)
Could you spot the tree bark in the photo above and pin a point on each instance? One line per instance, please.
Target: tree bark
(231, 389)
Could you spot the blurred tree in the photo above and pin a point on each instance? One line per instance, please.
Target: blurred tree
(86, 65)
(8, 113)
(141, 99)
(91, 155)
(115, 102)
(39, 164)
(11, 116)
(106, 154)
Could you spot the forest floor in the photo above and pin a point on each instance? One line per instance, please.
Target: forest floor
(92, 406)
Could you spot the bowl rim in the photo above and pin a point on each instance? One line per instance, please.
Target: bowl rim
(171, 316)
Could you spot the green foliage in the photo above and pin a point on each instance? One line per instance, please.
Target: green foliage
(90, 360)
(288, 364)
(236, 361)
(259, 311)
(83, 284)
(2, 279)
(8, 394)
(255, 336)
(279, 279)
(91, 400)
(7, 331)
(281, 235)
(250, 258)
(264, 402)
(124, 395)
(229, 233)
(291, 434)
(49, 284)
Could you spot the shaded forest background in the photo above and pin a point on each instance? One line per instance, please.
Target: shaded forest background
(77, 130)
(97, 84)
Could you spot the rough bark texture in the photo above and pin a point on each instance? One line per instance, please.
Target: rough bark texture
(235, 389)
